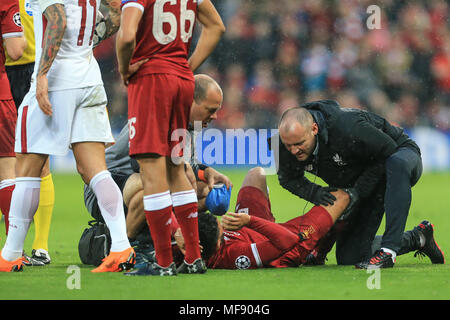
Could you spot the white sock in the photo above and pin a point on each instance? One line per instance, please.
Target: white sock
(24, 203)
(110, 202)
(394, 254)
(183, 197)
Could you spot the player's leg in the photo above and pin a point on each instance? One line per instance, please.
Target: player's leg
(8, 118)
(149, 118)
(184, 197)
(7, 183)
(43, 216)
(90, 133)
(316, 223)
(90, 158)
(253, 197)
(36, 136)
(24, 203)
(256, 177)
(157, 206)
(185, 207)
(133, 194)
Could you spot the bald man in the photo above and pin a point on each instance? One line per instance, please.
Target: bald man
(360, 152)
(207, 102)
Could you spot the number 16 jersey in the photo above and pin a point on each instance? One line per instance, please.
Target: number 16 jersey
(164, 35)
(75, 65)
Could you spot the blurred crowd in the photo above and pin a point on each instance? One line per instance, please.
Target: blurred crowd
(280, 54)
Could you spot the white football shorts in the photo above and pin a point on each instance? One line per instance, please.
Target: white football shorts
(79, 115)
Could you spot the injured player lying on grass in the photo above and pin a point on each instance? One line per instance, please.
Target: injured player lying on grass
(250, 238)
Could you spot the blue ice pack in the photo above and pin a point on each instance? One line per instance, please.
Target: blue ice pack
(218, 200)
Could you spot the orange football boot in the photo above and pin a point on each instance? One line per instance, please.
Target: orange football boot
(10, 266)
(117, 261)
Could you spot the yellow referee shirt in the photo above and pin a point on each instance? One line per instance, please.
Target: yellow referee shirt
(26, 16)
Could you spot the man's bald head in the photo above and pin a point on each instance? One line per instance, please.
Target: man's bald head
(203, 83)
(208, 97)
(298, 131)
(294, 116)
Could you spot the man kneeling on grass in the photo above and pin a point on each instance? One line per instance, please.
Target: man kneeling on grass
(250, 238)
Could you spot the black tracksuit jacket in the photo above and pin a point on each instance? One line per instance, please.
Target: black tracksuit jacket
(353, 147)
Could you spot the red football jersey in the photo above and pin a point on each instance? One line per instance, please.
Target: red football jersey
(10, 26)
(262, 244)
(164, 35)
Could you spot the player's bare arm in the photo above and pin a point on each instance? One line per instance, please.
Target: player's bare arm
(126, 42)
(112, 22)
(212, 31)
(54, 33)
(15, 46)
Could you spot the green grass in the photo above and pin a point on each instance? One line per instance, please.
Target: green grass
(411, 278)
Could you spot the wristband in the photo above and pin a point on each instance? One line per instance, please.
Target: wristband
(201, 175)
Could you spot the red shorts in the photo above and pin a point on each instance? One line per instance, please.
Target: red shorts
(254, 202)
(159, 104)
(314, 224)
(8, 119)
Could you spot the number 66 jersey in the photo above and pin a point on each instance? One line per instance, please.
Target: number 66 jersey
(74, 66)
(164, 35)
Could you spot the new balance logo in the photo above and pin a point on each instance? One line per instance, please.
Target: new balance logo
(193, 215)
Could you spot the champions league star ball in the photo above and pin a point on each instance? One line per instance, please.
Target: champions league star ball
(100, 29)
(242, 262)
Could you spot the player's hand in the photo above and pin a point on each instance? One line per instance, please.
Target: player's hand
(132, 69)
(234, 221)
(214, 177)
(42, 95)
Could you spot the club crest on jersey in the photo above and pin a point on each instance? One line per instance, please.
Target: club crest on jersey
(16, 19)
(338, 159)
(242, 262)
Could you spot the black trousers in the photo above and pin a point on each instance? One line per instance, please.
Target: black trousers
(403, 170)
(393, 196)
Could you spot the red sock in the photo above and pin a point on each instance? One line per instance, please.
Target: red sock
(159, 222)
(5, 203)
(186, 215)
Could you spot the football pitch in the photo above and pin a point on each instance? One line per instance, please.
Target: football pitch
(411, 278)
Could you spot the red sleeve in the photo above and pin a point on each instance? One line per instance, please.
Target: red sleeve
(276, 241)
(10, 19)
(279, 236)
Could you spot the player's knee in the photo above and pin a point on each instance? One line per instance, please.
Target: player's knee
(343, 197)
(83, 173)
(132, 186)
(256, 177)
